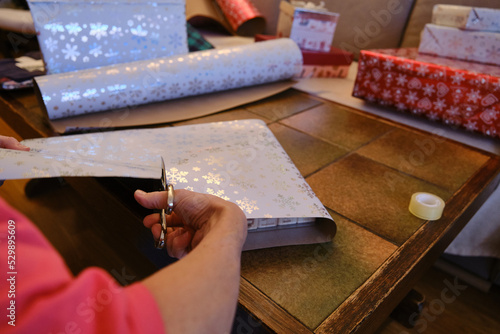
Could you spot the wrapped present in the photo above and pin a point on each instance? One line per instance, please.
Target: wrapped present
(75, 35)
(457, 93)
(311, 29)
(480, 46)
(468, 18)
(317, 64)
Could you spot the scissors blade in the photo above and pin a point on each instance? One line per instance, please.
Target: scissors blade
(163, 175)
(163, 221)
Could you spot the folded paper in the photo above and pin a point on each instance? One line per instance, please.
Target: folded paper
(141, 82)
(75, 34)
(239, 161)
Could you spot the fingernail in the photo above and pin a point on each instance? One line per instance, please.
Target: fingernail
(140, 192)
(22, 147)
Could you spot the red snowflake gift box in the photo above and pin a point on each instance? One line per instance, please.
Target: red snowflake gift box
(458, 93)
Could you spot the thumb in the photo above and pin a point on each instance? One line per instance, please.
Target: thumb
(152, 200)
(12, 143)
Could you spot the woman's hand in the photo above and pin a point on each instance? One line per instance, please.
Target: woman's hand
(199, 293)
(194, 216)
(12, 143)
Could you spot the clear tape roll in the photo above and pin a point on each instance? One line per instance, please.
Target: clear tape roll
(426, 206)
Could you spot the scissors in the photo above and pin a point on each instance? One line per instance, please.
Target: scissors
(165, 213)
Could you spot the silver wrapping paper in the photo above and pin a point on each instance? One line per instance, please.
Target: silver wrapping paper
(76, 34)
(122, 85)
(238, 161)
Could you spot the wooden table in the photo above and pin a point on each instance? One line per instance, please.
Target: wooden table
(364, 169)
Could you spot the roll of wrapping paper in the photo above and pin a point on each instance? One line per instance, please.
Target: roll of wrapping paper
(243, 17)
(122, 85)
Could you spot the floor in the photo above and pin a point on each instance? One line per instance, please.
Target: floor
(468, 310)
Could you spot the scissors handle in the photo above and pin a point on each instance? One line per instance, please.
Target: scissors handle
(165, 213)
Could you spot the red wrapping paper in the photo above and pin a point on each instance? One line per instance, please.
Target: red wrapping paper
(457, 93)
(334, 57)
(242, 16)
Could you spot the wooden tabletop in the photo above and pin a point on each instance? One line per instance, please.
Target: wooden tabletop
(364, 169)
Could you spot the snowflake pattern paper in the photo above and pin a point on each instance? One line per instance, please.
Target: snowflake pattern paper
(39, 163)
(123, 85)
(239, 161)
(243, 17)
(467, 18)
(478, 46)
(457, 93)
(75, 35)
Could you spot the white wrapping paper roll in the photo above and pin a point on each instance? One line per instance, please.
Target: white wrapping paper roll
(117, 86)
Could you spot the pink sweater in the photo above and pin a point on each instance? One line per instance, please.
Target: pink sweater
(38, 294)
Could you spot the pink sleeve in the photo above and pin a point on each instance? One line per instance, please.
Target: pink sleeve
(39, 294)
